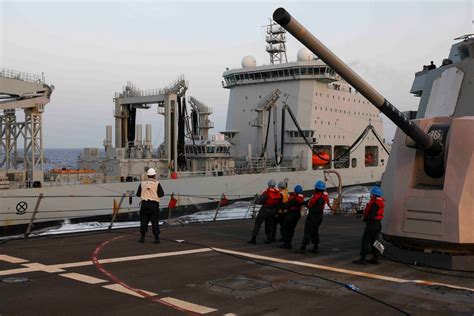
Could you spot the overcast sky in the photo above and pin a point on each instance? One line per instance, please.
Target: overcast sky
(89, 50)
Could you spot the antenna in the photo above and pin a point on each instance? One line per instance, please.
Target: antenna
(276, 43)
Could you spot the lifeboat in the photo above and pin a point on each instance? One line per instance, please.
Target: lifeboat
(321, 159)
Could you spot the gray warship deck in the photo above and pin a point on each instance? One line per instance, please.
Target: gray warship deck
(175, 278)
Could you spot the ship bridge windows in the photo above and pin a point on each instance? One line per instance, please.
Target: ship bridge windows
(344, 154)
(211, 149)
(321, 158)
(371, 156)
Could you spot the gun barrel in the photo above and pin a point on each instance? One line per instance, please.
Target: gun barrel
(422, 139)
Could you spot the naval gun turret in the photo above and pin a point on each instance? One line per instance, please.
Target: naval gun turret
(429, 179)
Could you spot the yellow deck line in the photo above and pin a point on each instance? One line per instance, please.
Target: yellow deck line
(340, 270)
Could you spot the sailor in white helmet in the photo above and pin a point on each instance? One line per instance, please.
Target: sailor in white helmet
(150, 191)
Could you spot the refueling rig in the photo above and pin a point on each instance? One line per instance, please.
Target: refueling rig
(186, 147)
(429, 179)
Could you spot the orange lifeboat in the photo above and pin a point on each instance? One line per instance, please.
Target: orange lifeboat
(321, 159)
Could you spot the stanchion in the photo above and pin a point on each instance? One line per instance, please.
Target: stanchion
(218, 207)
(33, 216)
(116, 210)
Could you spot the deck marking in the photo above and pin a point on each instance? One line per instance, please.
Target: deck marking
(112, 277)
(42, 267)
(11, 259)
(83, 278)
(189, 306)
(17, 271)
(122, 289)
(340, 270)
(61, 266)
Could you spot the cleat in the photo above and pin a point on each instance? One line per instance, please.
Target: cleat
(359, 261)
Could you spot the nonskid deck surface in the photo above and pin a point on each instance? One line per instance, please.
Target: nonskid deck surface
(182, 278)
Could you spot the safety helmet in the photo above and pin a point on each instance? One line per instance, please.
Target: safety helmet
(320, 185)
(376, 191)
(271, 183)
(281, 185)
(151, 172)
(298, 189)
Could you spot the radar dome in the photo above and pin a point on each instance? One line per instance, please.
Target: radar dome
(304, 54)
(249, 61)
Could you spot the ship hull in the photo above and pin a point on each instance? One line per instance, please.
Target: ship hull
(89, 200)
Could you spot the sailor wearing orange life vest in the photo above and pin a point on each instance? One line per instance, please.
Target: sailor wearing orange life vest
(150, 191)
(270, 200)
(314, 219)
(292, 216)
(281, 211)
(373, 215)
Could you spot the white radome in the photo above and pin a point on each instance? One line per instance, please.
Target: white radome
(249, 61)
(305, 54)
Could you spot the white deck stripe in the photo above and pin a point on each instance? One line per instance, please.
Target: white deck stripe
(32, 267)
(61, 266)
(17, 271)
(340, 270)
(11, 259)
(188, 306)
(120, 288)
(83, 278)
(43, 267)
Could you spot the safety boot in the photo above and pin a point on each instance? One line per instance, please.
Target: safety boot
(253, 240)
(142, 239)
(361, 260)
(285, 246)
(268, 241)
(156, 241)
(315, 249)
(374, 261)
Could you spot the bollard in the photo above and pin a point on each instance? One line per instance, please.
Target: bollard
(33, 216)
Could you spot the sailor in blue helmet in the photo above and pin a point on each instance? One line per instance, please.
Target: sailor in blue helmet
(270, 200)
(372, 216)
(314, 219)
(293, 214)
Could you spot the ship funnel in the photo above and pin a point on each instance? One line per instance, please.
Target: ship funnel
(422, 139)
(108, 136)
(138, 135)
(148, 135)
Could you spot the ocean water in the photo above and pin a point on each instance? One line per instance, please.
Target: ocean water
(61, 158)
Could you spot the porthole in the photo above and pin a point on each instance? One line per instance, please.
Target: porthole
(354, 162)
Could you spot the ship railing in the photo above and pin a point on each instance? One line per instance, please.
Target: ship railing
(23, 76)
